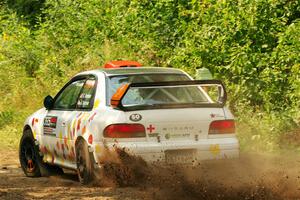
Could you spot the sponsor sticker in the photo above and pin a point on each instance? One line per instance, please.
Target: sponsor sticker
(167, 136)
(178, 128)
(153, 134)
(150, 128)
(50, 125)
(178, 135)
(213, 115)
(151, 131)
(215, 149)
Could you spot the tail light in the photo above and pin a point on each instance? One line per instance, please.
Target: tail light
(222, 127)
(124, 131)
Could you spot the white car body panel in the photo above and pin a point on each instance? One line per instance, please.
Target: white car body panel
(166, 130)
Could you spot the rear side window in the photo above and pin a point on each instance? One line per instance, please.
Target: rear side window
(86, 97)
(67, 99)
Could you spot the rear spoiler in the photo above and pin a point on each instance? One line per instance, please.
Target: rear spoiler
(116, 100)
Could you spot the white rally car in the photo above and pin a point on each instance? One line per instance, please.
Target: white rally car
(159, 114)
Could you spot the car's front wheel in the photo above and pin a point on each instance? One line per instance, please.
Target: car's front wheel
(31, 162)
(84, 163)
(29, 156)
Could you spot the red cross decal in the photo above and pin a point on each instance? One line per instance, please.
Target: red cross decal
(150, 128)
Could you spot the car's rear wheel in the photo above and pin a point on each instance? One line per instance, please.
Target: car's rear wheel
(29, 156)
(84, 163)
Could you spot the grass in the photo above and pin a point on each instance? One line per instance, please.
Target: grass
(10, 136)
(11, 128)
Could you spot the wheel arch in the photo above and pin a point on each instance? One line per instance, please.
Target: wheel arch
(27, 127)
(82, 139)
(79, 139)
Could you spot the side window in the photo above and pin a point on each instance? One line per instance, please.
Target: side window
(85, 100)
(68, 97)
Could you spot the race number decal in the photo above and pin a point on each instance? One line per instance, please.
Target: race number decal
(135, 117)
(50, 125)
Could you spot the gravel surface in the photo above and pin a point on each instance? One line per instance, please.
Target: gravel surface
(253, 176)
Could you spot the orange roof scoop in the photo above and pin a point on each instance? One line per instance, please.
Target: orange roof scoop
(122, 63)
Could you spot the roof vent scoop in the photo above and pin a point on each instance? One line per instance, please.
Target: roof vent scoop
(121, 63)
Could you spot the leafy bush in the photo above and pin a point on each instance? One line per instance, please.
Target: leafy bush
(253, 46)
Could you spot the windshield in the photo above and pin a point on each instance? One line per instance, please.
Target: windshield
(116, 81)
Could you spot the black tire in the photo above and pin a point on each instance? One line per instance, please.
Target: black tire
(84, 162)
(29, 155)
(30, 159)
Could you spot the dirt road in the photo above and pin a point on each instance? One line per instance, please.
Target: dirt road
(253, 176)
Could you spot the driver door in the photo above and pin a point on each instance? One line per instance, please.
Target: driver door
(56, 120)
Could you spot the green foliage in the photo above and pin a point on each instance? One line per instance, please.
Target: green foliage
(6, 117)
(252, 45)
(29, 10)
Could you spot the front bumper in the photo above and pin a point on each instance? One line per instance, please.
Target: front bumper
(204, 149)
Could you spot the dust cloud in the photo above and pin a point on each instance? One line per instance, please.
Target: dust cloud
(120, 169)
(253, 176)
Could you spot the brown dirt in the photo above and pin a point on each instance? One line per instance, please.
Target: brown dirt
(290, 139)
(253, 176)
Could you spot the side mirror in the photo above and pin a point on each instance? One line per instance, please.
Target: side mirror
(48, 102)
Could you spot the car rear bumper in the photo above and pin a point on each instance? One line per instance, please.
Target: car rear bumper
(204, 149)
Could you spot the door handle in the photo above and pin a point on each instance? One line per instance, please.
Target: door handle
(63, 124)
